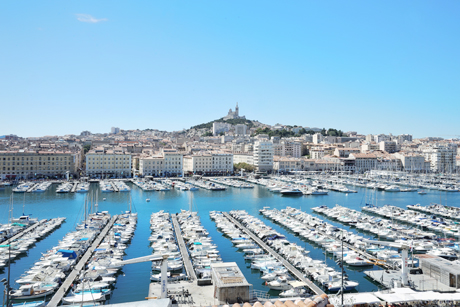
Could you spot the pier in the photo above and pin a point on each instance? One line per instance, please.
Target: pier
(269, 250)
(183, 249)
(364, 254)
(74, 188)
(32, 188)
(57, 297)
(114, 186)
(27, 230)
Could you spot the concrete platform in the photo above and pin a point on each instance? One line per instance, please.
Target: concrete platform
(420, 282)
(199, 295)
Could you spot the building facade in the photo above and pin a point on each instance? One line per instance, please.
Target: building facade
(263, 155)
(209, 164)
(168, 162)
(25, 164)
(104, 163)
(442, 157)
(241, 129)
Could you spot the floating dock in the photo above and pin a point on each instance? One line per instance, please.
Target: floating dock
(269, 250)
(57, 297)
(183, 249)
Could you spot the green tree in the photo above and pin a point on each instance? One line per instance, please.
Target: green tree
(247, 167)
(86, 148)
(209, 133)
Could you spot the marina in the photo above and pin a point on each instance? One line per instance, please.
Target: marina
(269, 250)
(49, 204)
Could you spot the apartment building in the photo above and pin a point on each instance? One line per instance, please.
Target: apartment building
(168, 162)
(364, 162)
(25, 163)
(212, 163)
(103, 162)
(412, 162)
(218, 127)
(263, 155)
(388, 146)
(442, 157)
(241, 129)
(292, 149)
(369, 146)
(345, 152)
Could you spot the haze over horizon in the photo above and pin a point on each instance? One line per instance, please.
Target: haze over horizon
(371, 67)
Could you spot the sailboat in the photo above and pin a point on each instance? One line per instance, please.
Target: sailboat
(24, 218)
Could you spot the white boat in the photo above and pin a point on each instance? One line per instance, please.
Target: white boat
(32, 291)
(83, 297)
(336, 285)
(291, 192)
(294, 292)
(280, 283)
(392, 188)
(358, 262)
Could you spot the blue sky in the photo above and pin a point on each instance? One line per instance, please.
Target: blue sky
(366, 66)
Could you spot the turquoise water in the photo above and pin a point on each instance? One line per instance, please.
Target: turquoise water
(133, 282)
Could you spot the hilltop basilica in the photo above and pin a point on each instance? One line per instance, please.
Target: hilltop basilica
(234, 115)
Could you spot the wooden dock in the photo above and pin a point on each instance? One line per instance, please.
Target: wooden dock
(269, 250)
(27, 230)
(57, 297)
(183, 249)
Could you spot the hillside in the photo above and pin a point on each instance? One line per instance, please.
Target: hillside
(247, 122)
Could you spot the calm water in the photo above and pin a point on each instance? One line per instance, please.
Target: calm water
(133, 283)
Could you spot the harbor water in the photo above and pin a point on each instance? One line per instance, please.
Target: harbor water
(133, 283)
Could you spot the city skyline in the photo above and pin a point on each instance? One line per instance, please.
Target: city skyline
(368, 67)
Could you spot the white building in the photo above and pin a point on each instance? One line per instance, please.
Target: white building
(241, 129)
(412, 162)
(243, 158)
(292, 149)
(364, 162)
(381, 137)
(214, 163)
(442, 157)
(369, 146)
(166, 163)
(263, 155)
(345, 152)
(103, 162)
(388, 146)
(404, 137)
(115, 130)
(218, 127)
(317, 152)
(317, 138)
